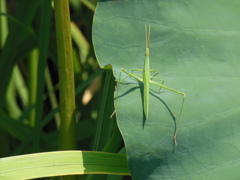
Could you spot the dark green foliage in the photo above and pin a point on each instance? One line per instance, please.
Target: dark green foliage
(29, 102)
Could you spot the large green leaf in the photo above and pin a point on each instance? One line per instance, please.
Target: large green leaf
(195, 45)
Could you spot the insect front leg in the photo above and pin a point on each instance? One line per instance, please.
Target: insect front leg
(137, 70)
(153, 77)
(155, 73)
(161, 80)
(119, 80)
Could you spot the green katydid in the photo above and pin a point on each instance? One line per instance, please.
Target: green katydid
(146, 79)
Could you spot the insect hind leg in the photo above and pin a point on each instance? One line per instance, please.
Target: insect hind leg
(176, 124)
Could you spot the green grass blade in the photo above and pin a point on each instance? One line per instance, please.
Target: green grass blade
(52, 96)
(111, 146)
(32, 83)
(43, 54)
(62, 163)
(104, 126)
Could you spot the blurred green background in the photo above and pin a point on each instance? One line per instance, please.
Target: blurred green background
(29, 117)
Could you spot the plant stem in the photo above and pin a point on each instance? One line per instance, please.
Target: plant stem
(66, 78)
